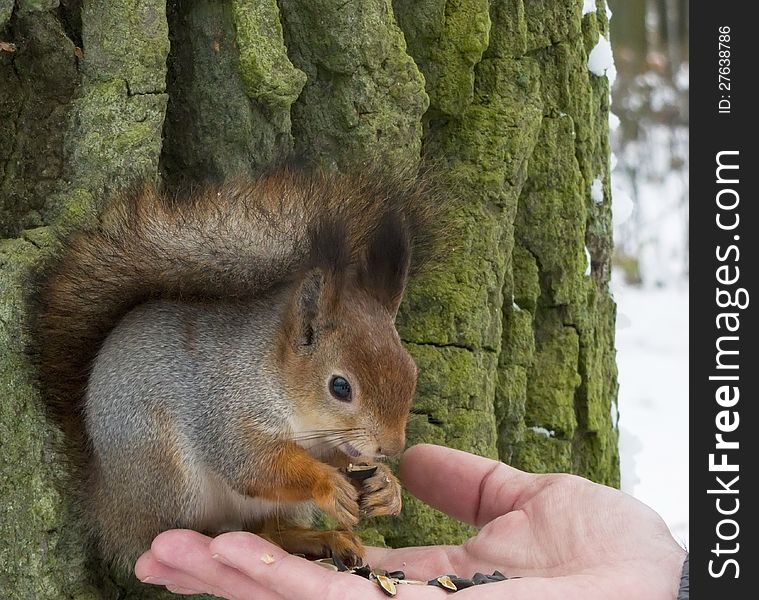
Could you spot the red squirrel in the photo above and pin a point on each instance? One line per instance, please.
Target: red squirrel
(217, 358)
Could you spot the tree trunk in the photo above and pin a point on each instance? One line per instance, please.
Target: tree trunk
(514, 335)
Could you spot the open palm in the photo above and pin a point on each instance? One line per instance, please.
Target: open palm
(564, 536)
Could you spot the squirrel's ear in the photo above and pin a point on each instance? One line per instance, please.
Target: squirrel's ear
(388, 258)
(318, 293)
(308, 307)
(316, 301)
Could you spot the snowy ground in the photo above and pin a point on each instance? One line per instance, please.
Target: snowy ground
(652, 354)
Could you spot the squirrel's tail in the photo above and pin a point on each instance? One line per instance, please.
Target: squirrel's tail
(232, 241)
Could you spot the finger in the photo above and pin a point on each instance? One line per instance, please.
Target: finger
(467, 487)
(187, 556)
(151, 571)
(292, 577)
(175, 589)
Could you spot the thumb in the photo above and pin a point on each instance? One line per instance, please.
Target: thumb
(467, 487)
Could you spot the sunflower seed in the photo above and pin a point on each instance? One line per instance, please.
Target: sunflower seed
(360, 472)
(461, 583)
(444, 582)
(363, 571)
(386, 584)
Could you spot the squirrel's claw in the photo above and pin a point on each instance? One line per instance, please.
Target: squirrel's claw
(340, 544)
(380, 494)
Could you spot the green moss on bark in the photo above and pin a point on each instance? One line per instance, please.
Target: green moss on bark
(446, 39)
(127, 41)
(454, 304)
(230, 78)
(38, 557)
(541, 453)
(549, 22)
(365, 97)
(114, 137)
(553, 379)
(27, 6)
(36, 83)
(6, 8)
(268, 75)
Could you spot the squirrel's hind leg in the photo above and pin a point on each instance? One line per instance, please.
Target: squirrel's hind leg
(320, 543)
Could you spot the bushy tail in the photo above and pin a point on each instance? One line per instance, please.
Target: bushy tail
(232, 241)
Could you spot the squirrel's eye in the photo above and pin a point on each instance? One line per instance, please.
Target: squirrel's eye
(340, 388)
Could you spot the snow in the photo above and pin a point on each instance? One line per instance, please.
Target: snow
(652, 356)
(597, 191)
(613, 121)
(587, 262)
(601, 60)
(543, 431)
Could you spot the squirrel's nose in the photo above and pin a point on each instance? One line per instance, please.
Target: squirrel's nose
(391, 449)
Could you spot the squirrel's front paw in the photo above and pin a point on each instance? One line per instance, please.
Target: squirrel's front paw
(380, 493)
(339, 498)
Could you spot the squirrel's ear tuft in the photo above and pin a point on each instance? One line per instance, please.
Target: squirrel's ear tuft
(385, 271)
(330, 249)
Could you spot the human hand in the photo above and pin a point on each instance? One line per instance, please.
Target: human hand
(567, 538)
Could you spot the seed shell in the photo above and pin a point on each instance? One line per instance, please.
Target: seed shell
(327, 564)
(363, 571)
(461, 583)
(445, 582)
(360, 472)
(386, 584)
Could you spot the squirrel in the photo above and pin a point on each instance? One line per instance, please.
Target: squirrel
(217, 357)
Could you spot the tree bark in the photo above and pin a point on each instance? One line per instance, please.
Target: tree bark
(513, 334)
